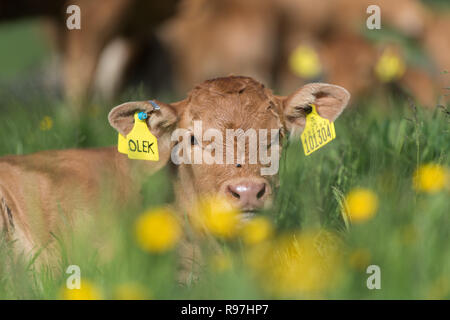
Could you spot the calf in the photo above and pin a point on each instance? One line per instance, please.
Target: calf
(35, 188)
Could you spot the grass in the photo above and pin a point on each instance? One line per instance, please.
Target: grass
(17, 52)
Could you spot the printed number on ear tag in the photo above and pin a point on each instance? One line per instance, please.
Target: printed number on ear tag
(141, 143)
(318, 132)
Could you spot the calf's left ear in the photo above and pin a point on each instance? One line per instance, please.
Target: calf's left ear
(159, 121)
(330, 100)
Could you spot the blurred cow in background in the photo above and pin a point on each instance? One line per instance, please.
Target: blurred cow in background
(290, 42)
(211, 38)
(353, 56)
(284, 43)
(98, 56)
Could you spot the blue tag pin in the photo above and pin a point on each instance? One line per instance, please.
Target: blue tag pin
(142, 115)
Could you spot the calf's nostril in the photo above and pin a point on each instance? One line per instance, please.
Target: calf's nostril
(233, 193)
(261, 192)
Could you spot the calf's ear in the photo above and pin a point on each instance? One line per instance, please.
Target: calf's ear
(159, 121)
(330, 100)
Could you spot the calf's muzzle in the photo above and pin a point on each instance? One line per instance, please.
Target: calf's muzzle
(248, 194)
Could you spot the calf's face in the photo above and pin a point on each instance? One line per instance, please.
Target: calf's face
(225, 137)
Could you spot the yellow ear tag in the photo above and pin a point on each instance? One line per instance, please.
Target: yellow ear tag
(122, 145)
(142, 144)
(318, 132)
(390, 66)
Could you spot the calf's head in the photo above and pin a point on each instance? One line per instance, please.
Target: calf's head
(225, 137)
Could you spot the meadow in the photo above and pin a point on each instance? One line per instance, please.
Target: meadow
(377, 195)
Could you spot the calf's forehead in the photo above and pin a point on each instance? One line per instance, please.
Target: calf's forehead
(245, 107)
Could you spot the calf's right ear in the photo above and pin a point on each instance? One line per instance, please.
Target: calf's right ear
(159, 121)
(330, 100)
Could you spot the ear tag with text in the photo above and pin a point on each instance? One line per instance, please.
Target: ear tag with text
(317, 133)
(142, 144)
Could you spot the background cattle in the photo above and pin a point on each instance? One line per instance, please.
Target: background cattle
(261, 36)
(113, 36)
(180, 43)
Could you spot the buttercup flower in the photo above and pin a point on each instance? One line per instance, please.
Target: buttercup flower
(46, 124)
(305, 62)
(361, 205)
(390, 66)
(256, 230)
(87, 291)
(217, 216)
(157, 230)
(430, 178)
(131, 291)
(303, 264)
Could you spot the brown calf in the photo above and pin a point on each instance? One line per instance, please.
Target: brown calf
(34, 189)
(259, 37)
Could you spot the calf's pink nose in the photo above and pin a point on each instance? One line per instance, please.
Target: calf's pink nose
(248, 194)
